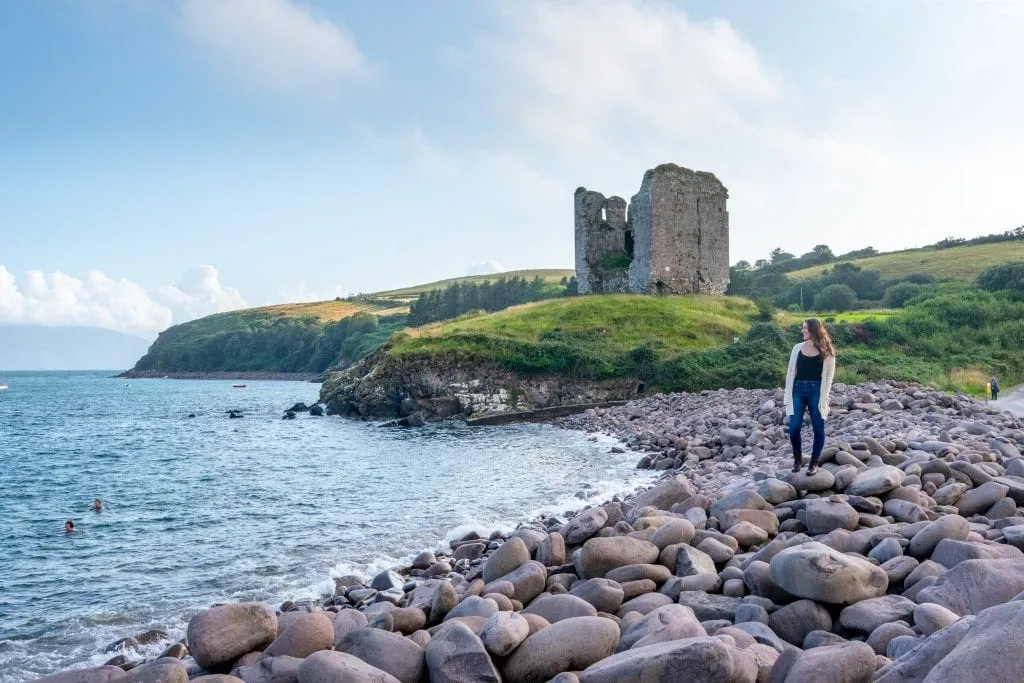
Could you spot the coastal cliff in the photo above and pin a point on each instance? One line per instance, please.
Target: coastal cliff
(453, 384)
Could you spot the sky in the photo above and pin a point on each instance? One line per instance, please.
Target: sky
(165, 159)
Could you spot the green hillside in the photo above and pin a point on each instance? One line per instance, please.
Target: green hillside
(605, 325)
(608, 336)
(959, 263)
(306, 337)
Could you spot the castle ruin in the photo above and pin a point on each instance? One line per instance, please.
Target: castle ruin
(673, 238)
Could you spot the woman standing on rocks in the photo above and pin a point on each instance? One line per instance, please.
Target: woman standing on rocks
(812, 366)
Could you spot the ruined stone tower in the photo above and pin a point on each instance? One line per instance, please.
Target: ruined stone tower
(672, 239)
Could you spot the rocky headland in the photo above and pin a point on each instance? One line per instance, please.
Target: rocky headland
(900, 560)
(449, 385)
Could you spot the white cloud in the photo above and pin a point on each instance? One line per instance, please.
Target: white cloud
(277, 44)
(571, 72)
(302, 292)
(115, 304)
(198, 293)
(485, 268)
(892, 154)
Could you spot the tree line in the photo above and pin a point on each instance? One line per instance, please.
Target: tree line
(491, 295)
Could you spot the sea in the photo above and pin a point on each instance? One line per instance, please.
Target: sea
(200, 508)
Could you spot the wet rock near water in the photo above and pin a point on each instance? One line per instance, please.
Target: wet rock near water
(901, 560)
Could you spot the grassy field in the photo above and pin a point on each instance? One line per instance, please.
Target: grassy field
(959, 263)
(410, 293)
(603, 325)
(377, 302)
(325, 311)
(787, 318)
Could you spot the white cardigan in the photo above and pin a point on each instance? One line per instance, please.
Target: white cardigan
(828, 372)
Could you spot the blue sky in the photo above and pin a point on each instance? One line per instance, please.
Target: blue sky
(162, 160)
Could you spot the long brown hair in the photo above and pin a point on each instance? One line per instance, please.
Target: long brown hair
(820, 337)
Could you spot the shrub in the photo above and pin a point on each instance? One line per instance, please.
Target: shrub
(898, 295)
(1008, 276)
(837, 298)
(765, 309)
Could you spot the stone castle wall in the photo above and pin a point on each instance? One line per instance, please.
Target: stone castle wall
(674, 233)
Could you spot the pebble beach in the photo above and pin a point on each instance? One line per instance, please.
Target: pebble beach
(899, 560)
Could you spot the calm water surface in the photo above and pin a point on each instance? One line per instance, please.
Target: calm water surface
(208, 509)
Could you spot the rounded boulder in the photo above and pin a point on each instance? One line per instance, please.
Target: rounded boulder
(222, 634)
(818, 572)
(569, 645)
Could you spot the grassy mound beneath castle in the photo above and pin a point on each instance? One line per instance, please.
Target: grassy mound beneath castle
(956, 263)
(953, 342)
(606, 336)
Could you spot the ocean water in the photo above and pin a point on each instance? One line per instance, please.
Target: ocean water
(206, 509)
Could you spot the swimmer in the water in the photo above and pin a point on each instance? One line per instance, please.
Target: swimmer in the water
(97, 505)
(69, 526)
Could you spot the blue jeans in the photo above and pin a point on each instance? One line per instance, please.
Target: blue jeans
(806, 394)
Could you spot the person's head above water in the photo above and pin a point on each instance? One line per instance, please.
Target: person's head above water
(97, 505)
(69, 526)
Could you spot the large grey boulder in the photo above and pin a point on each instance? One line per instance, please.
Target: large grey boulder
(950, 526)
(302, 637)
(222, 634)
(710, 606)
(978, 500)
(867, 615)
(600, 555)
(556, 608)
(329, 666)
(95, 674)
(741, 499)
(931, 618)
(990, 651)
(390, 652)
(849, 662)
(163, 671)
(347, 620)
(569, 645)
(824, 516)
(527, 581)
(456, 655)
(504, 632)
(665, 493)
(510, 556)
(950, 553)
(671, 622)
(976, 585)
(817, 572)
(876, 481)
(914, 665)
(271, 670)
(794, 621)
(701, 660)
(604, 594)
(584, 525)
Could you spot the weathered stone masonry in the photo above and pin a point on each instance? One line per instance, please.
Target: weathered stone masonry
(673, 238)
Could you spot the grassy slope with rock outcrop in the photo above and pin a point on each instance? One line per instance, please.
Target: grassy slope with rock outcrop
(305, 337)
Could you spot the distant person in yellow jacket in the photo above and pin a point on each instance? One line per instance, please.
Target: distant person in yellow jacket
(812, 367)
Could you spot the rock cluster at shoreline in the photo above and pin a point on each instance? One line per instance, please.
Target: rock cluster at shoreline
(900, 560)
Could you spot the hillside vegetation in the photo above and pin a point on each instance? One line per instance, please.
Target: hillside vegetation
(306, 337)
(955, 263)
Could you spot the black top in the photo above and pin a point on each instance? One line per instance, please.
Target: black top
(808, 367)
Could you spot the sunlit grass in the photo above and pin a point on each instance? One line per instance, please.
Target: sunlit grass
(958, 263)
(605, 324)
